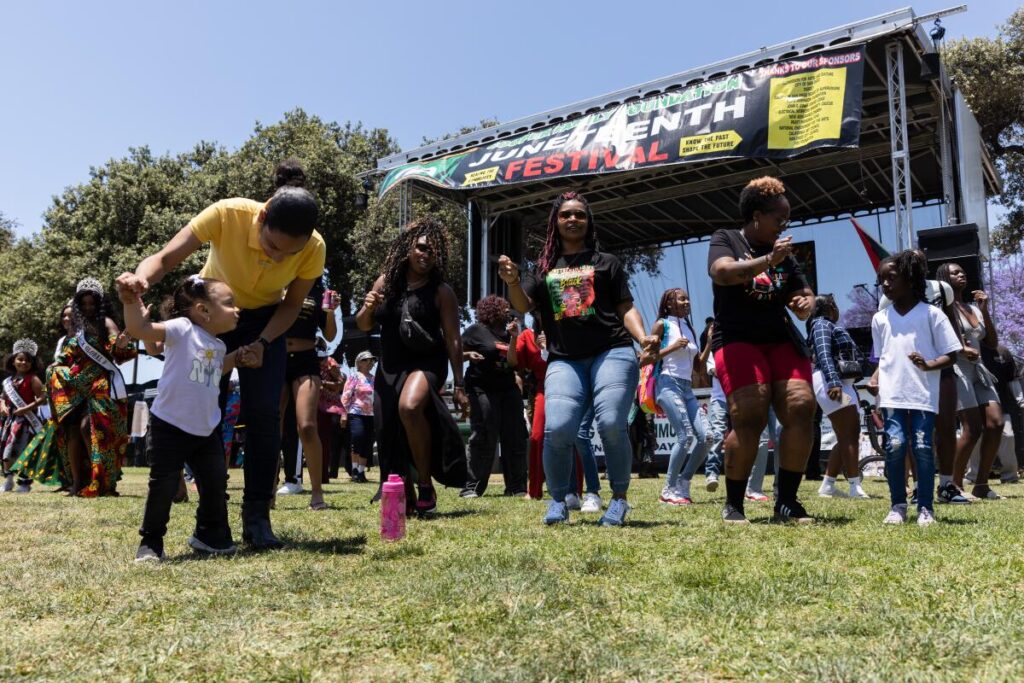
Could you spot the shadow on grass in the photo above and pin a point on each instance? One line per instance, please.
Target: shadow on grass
(352, 545)
(942, 521)
(448, 514)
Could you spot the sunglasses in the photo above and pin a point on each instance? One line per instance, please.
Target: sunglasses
(424, 248)
(577, 214)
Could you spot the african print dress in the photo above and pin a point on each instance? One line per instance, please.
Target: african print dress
(81, 388)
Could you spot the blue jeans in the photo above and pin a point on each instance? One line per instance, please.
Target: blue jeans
(899, 424)
(718, 426)
(675, 396)
(773, 430)
(585, 449)
(607, 381)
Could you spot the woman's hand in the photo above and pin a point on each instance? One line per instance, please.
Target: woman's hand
(473, 356)
(971, 354)
(802, 306)
(373, 299)
(508, 271)
(123, 340)
(513, 329)
(22, 410)
(835, 393)
(782, 249)
(133, 283)
(462, 401)
(253, 353)
(542, 341)
(334, 302)
(649, 349)
(980, 298)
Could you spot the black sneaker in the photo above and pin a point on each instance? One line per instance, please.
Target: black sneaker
(149, 551)
(361, 478)
(950, 494)
(792, 511)
(733, 515)
(203, 541)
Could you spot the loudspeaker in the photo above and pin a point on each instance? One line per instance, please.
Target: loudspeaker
(956, 243)
(930, 66)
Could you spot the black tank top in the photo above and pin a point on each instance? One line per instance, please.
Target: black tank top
(422, 305)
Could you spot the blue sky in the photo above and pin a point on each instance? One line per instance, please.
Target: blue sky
(83, 82)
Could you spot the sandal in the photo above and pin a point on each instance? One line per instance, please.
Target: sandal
(319, 505)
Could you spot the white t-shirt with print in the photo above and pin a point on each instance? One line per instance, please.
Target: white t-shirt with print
(924, 329)
(189, 386)
(679, 363)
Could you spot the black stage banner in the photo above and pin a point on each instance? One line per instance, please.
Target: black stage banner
(774, 111)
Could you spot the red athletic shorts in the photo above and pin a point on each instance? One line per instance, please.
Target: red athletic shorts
(740, 364)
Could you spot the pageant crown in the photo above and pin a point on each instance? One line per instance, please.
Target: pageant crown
(89, 284)
(26, 346)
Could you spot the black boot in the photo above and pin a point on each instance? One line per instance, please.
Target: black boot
(256, 529)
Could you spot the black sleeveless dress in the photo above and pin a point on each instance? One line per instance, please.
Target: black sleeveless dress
(397, 361)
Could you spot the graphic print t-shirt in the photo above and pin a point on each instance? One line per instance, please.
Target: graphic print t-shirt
(753, 312)
(493, 373)
(188, 388)
(577, 301)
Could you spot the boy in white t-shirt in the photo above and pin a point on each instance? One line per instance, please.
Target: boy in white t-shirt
(186, 413)
(913, 341)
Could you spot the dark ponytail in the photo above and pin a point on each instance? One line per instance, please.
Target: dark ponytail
(289, 173)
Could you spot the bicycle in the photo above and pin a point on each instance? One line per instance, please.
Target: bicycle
(873, 425)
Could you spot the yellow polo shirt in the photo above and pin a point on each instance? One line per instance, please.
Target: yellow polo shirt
(232, 228)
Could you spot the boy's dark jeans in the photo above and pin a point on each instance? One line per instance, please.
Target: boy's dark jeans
(169, 449)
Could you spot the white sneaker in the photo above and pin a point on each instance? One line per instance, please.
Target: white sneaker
(670, 495)
(8, 484)
(924, 517)
(591, 503)
(829, 490)
(897, 515)
(23, 488)
(857, 491)
(711, 482)
(572, 501)
(290, 489)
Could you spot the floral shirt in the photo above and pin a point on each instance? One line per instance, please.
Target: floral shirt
(330, 401)
(357, 399)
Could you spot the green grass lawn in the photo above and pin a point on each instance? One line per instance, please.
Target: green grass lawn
(485, 592)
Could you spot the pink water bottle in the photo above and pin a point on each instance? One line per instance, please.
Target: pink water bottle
(392, 509)
(327, 300)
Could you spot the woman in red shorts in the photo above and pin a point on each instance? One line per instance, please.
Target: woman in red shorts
(760, 358)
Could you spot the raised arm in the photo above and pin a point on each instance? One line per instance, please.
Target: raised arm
(727, 271)
(154, 268)
(508, 271)
(374, 298)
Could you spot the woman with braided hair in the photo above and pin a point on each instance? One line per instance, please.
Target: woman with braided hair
(84, 444)
(582, 296)
(419, 319)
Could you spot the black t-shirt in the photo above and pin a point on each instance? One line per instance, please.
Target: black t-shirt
(753, 312)
(493, 372)
(577, 301)
(311, 317)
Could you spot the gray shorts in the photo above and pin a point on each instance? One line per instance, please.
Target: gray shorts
(971, 390)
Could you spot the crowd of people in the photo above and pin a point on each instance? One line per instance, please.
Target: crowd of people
(260, 305)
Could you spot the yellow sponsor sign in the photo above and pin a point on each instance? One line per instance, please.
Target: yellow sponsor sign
(484, 175)
(719, 142)
(805, 108)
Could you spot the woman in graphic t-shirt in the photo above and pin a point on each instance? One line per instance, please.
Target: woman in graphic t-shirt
(590, 336)
(759, 356)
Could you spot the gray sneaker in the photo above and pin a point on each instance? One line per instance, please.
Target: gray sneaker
(558, 513)
(616, 513)
(731, 515)
(148, 553)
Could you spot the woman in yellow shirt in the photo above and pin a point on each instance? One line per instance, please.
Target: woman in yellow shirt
(270, 255)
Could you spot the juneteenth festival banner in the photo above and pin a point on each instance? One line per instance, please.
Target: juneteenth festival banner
(775, 111)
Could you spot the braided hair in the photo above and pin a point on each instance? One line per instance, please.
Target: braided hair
(553, 241)
(665, 305)
(396, 263)
(914, 270)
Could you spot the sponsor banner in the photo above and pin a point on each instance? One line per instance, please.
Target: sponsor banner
(776, 111)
